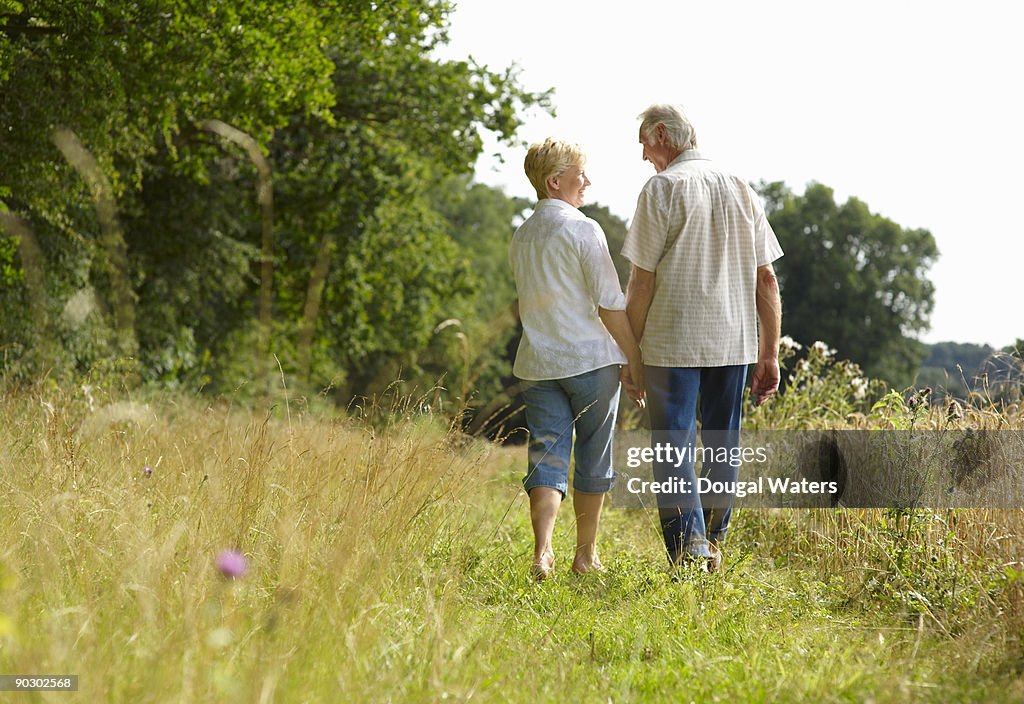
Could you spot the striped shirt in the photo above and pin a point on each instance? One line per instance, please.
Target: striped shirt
(563, 272)
(703, 233)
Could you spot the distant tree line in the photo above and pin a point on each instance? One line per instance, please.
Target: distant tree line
(964, 370)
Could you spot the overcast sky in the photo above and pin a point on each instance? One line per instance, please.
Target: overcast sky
(913, 107)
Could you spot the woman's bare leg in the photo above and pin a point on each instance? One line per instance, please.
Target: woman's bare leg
(588, 519)
(544, 503)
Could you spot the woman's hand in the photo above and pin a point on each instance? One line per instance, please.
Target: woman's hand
(632, 378)
(632, 375)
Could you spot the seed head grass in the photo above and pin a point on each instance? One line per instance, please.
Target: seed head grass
(385, 558)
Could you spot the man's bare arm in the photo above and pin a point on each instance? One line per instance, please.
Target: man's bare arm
(639, 294)
(769, 316)
(618, 325)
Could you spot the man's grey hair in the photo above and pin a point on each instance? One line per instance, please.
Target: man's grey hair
(678, 129)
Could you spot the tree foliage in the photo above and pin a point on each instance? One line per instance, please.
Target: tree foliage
(482, 219)
(358, 122)
(963, 370)
(615, 232)
(852, 278)
(952, 367)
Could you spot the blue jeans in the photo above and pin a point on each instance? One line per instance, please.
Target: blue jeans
(689, 519)
(586, 402)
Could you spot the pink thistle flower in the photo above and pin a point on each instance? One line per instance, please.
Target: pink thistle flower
(232, 564)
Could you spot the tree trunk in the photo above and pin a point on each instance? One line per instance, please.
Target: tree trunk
(314, 296)
(265, 194)
(112, 239)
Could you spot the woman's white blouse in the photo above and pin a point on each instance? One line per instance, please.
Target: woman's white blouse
(563, 273)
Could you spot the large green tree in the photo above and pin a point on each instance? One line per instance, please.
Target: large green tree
(853, 279)
(348, 109)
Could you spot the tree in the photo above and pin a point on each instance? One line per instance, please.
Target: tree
(357, 123)
(482, 219)
(360, 197)
(132, 81)
(615, 231)
(129, 77)
(853, 279)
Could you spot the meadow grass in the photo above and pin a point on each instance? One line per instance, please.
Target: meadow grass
(388, 562)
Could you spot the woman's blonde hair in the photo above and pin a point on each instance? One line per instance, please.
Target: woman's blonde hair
(550, 158)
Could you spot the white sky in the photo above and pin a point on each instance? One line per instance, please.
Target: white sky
(913, 107)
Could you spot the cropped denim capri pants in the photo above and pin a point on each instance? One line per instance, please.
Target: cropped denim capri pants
(586, 403)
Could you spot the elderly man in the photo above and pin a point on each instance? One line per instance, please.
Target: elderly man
(701, 251)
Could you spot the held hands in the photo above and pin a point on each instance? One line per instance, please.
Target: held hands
(632, 378)
(765, 381)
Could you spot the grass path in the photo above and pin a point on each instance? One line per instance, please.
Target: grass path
(390, 565)
(764, 630)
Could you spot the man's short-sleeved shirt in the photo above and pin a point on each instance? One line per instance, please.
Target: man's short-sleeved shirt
(563, 273)
(703, 233)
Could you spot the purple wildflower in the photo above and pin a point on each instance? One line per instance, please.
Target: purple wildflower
(232, 564)
(147, 471)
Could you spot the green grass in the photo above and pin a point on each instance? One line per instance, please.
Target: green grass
(389, 563)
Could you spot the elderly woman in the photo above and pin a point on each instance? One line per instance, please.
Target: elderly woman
(575, 337)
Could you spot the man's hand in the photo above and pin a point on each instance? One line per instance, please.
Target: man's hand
(634, 386)
(765, 381)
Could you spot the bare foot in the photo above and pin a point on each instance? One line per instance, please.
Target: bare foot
(715, 561)
(587, 563)
(543, 566)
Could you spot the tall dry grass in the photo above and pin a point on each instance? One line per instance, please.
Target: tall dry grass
(108, 570)
(387, 562)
